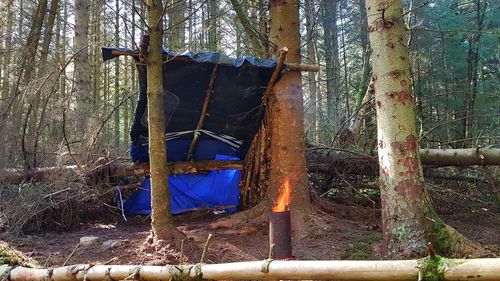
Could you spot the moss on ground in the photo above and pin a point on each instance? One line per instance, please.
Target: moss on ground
(363, 250)
(9, 256)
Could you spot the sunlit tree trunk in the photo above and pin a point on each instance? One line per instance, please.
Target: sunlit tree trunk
(162, 225)
(408, 219)
(285, 116)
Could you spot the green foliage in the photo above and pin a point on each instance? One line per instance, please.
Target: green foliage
(431, 268)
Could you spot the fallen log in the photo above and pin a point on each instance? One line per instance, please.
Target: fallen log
(112, 169)
(460, 157)
(397, 270)
(319, 161)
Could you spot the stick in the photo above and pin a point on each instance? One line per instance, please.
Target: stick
(276, 73)
(205, 248)
(203, 114)
(71, 254)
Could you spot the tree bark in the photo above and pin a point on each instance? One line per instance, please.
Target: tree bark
(176, 25)
(47, 37)
(257, 40)
(331, 59)
(116, 96)
(408, 220)
(472, 70)
(81, 63)
(285, 118)
(311, 76)
(162, 225)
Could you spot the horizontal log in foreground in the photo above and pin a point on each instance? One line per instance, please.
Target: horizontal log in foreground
(397, 270)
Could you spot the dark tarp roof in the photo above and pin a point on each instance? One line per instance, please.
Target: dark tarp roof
(234, 112)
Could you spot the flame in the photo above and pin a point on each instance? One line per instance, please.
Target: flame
(284, 196)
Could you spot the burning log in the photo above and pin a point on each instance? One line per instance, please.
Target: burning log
(397, 270)
(280, 230)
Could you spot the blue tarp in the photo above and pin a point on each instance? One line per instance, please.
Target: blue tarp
(188, 192)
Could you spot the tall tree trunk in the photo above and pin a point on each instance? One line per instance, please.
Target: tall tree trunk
(472, 70)
(28, 60)
(364, 79)
(285, 117)
(257, 40)
(81, 62)
(162, 226)
(47, 37)
(213, 28)
(331, 59)
(408, 219)
(311, 76)
(176, 25)
(116, 96)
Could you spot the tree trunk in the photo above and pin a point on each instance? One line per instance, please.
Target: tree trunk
(408, 219)
(82, 66)
(213, 35)
(472, 70)
(285, 117)
(311, 76)
(331, 60)
(162, 225)
(257, 41)
(116, 96)
(176, 25)
(47, 37)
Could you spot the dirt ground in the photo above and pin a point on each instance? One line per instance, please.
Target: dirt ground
(348, 232)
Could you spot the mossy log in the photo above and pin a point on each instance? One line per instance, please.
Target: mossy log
(397, 270)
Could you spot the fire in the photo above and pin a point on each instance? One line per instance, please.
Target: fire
(284, 197)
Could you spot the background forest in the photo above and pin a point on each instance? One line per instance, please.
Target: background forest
(57, 97)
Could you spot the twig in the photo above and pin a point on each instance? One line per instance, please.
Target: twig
(66, 138)
(182, 252)
(205, 248)
(55, 193)
(71, 254)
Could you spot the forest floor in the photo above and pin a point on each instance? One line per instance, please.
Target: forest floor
(348, 232)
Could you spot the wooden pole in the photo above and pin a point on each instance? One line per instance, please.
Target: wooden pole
(395, 270)
(276, 72)
(203, 114)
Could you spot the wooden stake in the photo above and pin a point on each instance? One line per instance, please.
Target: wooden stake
(203, 114)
